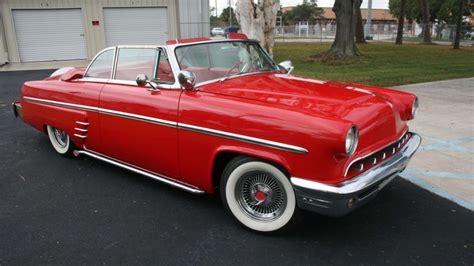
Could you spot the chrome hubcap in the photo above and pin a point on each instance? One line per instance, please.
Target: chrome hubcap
(261, 196)
(60, 136)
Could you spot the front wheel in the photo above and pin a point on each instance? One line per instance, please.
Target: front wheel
(60, 141)
(258, 194)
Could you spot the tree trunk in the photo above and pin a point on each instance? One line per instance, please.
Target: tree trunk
(401, 22)
(359, 33)
(346, 20)
(457, 39)
(258, 20)
(425, 16)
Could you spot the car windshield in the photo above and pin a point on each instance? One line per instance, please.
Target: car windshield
(217, 60)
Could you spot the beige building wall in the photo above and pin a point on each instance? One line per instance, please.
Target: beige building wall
(92, 10)
(3, 50)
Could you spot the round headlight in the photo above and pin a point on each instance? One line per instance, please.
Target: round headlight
(414, 108)
(352, 138)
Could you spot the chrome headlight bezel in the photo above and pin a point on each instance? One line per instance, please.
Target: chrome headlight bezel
(414, 108)
(352, 139)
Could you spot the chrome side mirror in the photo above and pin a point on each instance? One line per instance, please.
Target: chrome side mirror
(187, 80)
(142, 80)
(287, 66)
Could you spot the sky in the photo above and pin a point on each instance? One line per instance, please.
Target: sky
(221, 4)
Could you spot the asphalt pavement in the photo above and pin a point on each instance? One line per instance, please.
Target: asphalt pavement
(56, 210)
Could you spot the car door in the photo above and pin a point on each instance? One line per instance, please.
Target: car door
(137, 124)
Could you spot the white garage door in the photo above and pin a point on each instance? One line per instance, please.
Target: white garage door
(137, 25)
(52, 34)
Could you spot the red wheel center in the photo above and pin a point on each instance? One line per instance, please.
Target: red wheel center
(260, 196)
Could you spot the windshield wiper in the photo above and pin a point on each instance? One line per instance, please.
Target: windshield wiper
(230, 75)
(245, 72)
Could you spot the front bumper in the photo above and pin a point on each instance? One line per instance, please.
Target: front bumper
(340, 199)
(17, 109)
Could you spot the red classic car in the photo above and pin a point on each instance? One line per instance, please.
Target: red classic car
(221, 117)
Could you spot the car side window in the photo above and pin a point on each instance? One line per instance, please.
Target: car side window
(164, 73)
(102, 65)
(134, 61)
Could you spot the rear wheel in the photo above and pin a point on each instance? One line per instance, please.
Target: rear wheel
(258, 194)
(60, 141)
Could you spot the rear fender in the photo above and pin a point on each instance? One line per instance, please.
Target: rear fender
(74, 122)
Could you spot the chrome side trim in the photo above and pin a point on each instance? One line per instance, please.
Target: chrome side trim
(137, 170)
(105, 111)
(80, 129)
(80, 136)
(368, 155)
(203, 130)
(243, 138)
(390, 167)
(138, 117)
(62, 104)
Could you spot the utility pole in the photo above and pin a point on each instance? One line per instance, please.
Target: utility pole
(230, 13)
(368, 25)
(216, 8)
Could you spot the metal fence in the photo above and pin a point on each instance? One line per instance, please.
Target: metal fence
(325, 32)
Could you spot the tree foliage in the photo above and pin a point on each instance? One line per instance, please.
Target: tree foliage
(307, 11)
(226, 15)
(441, 11)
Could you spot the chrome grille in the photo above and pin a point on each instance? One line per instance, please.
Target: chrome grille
(376, 158)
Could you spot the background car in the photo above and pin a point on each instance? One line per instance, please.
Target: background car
(217, 31)
(229, 30)
(469, 35)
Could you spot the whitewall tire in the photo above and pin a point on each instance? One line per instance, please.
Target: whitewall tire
(258, 194)
(60, 141)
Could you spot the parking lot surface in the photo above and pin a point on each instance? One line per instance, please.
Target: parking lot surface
(444, 163)
(56, 210)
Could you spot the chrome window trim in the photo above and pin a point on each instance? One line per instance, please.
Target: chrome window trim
(169, 49)
(95, 57)
(169, 86)
(174, 124)
(174, 65)
(114, 64)
(96, 80)
(117, 54)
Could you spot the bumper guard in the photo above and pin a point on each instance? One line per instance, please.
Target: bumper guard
(17, 109)
(340, 199)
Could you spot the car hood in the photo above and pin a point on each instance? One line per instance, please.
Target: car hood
(373, 110)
